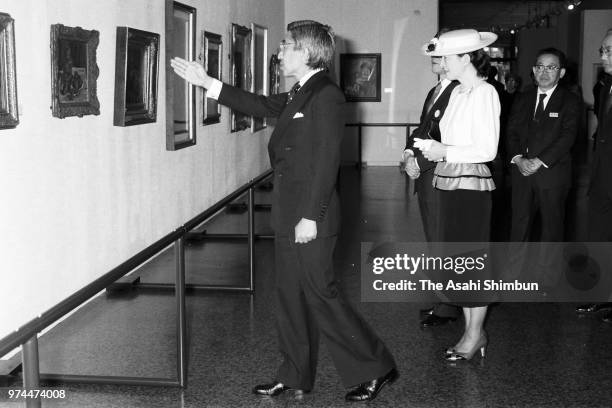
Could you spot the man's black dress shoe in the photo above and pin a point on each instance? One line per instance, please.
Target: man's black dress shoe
(274, 389)
(369, 390)
(425, 312)
(607, 317)
(593, 307)
(435, 320)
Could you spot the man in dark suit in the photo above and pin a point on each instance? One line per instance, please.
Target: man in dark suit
(541, 130)
(421, 171)
(304, 152)
(600, 188)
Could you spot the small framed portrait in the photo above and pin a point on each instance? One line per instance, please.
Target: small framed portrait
(136, 66)
(74, 71)
(9, 117)
(259, 69)
(212, 53)
(240, 70)
(360, 77)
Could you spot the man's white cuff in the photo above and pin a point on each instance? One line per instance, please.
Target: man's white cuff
(514, 158)
(215, 89)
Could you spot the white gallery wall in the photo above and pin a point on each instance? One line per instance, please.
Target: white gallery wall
(79, 195)
(397, 29)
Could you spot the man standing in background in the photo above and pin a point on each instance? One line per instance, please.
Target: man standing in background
(541, 131)
(420, 170)
(600, 189)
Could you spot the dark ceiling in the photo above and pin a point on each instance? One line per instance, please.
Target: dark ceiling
(502, 15)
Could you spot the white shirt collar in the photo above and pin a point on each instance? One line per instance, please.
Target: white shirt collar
(549, 92)
(309, 75)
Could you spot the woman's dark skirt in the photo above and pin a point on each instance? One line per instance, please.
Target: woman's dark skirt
(465, 216)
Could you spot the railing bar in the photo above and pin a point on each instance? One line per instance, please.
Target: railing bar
(171, 287)
(36, 325)
(194, 222)
(382, 124)
(100, 379)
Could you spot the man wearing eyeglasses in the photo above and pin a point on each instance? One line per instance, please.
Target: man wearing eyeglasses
(541, 130)
(304, 152)
(600, 188)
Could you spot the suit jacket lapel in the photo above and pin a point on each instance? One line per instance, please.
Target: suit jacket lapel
(296, 104)
(435, 106)
(531, 103)
(424, 110)
(555, 101)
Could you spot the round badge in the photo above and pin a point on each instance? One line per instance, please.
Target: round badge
(437, 113)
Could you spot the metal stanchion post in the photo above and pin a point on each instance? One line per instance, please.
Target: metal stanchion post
(360, 163)
(251, 243)
(179, 255)
(31, 373)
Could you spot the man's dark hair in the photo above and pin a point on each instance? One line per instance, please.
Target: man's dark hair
(315, 37)
(553, 51)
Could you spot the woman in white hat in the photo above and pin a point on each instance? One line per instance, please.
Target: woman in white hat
(470, 134)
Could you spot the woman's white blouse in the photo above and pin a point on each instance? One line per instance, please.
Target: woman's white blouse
(470, 125)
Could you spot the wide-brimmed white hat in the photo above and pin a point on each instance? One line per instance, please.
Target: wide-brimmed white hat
(458, 42)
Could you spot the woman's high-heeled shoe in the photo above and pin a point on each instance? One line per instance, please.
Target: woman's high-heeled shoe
(481, 345)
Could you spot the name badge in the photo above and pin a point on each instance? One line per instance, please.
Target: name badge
(553, 114)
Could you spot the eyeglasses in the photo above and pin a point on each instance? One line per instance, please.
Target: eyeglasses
(284, 44)
(547, 68)
(607, 51)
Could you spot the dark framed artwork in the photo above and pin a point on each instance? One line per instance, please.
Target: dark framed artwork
(9, 116)
(240, 57)
(274, 74)
(181, 96)
(136, 63)
(74, 71)
(360, 77)
(259, 69)
(212, 52)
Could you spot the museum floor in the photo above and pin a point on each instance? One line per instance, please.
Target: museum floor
(539, 355)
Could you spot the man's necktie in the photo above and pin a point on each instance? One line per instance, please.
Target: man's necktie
(435, 94)
(539, 112)
(292, 92)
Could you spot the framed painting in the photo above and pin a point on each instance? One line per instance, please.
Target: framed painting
(360, 77)
(9, 116)
(181, 96)
(240, 57)
(212, 52)
(259, 69)
(74, 71)
(136, 65)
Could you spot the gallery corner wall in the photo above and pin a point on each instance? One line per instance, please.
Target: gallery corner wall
(79, 195)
